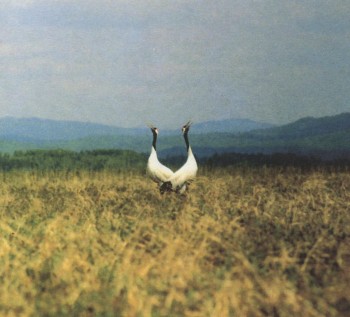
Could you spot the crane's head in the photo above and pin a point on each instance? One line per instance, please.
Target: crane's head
(186, 127)
(153, 128)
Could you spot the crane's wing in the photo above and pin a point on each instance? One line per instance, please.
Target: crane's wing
(160, 173)
(182, 177)
(156, 170)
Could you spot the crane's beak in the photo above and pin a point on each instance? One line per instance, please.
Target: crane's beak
(150, 125)
(186, 126)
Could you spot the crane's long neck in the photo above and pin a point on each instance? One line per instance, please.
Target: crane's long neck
(186, 140)
(154, 143)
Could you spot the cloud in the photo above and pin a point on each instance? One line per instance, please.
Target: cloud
(122, 60)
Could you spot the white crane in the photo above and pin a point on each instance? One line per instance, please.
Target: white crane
(180, 180)
(156, 170)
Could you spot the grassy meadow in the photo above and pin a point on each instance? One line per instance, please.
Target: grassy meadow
(245, 241)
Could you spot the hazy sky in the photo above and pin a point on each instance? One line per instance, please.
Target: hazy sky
(126, 62)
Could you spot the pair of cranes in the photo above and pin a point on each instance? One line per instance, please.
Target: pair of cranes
(169, 181)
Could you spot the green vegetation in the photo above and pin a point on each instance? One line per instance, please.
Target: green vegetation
(246, 241)
(120, 160)
(62, 160)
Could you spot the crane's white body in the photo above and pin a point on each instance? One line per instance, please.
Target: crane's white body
(168, 180)
(183, 176)
(156, 170)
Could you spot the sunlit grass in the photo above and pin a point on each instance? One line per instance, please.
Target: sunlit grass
(244, 242)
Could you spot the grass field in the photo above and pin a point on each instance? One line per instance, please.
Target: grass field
(244, 242)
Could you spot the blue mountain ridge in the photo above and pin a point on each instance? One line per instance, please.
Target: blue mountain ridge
(327, 137)
(36, 129)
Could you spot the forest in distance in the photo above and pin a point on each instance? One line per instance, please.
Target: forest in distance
(124, 160)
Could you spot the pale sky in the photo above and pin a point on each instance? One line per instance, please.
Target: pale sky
(127, 62)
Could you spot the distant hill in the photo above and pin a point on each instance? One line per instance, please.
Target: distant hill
(326, 137)
(229, 126)
(36, 130)
(310, 127)
(320, 136)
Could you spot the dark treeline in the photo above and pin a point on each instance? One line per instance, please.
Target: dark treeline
(276, 159)
(68, 160)
(122, 160)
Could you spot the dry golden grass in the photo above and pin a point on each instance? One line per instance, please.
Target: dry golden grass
(244, 242)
